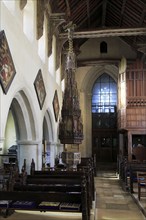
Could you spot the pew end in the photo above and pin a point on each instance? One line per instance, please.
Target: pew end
(141, 181)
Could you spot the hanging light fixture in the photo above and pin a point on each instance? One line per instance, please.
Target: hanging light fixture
(70, 126)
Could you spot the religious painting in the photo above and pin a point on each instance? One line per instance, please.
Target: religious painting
(56, 105)
(40, 88)
(7, 68)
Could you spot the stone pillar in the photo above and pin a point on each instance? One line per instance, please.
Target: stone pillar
(48, 155)
(52, 154)
(30, 150)
(1, 149)
(55, 149)
(2, 145)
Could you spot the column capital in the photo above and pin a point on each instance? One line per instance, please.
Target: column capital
(29, 142)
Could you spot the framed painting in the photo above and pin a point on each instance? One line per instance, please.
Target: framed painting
(7, 68)
(56, 105)
(40, 88)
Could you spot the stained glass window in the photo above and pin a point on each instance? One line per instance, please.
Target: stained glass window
(104, 95)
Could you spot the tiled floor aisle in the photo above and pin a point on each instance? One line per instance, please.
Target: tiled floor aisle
(112, 202)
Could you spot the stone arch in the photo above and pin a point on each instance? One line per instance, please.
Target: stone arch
(94, 73)
(23, 117)
(48, 139)
(86, 90)
(28, 133)
(48, 129)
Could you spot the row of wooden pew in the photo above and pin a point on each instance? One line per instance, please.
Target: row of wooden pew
(58, 190)
(130, 173)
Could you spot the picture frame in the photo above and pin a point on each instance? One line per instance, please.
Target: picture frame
(40, 88)
(56, 105)
(7, 68)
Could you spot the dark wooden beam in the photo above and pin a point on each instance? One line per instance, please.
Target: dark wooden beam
(91, 13)
(140, 22)
(88, 12)
(122, 12)
(104, 6)
(95, 62)
(68, 9)
(112, 32)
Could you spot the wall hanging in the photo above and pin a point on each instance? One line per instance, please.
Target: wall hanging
(7, 68)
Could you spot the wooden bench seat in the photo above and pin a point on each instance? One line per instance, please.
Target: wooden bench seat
(71, 177)
(19, 198)
(141, 183)
(48, 188)
(133, 169)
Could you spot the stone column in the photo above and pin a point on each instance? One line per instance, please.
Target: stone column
(2, 145)
(52, 154)
(55, 149)
(1, 148)
(30, 150)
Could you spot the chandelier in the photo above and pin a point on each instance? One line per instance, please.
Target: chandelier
(70, 125)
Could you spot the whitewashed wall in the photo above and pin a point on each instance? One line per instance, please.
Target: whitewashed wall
(29, 55)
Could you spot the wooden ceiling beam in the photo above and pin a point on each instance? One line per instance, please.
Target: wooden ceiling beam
(94, 62)
(140, 22)
(115, 32)
(68, 8)
(91, 13)
(122, 11)
(104, 6)
(88, 12)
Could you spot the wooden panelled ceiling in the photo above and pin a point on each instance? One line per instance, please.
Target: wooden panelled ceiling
(92, 15)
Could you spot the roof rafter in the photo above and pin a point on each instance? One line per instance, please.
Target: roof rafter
(68, 8)
(91, 13)
(122, 11)
(88, 12)
(104, 6)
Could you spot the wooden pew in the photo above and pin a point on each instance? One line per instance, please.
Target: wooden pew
(37, 197)
(67, 182)
(141, 184)
(62, 177)
(127, 172)
(87, 165)
(53, 191)
(133, 169)
(121, 167)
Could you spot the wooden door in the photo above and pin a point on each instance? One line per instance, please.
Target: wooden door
(105, 145)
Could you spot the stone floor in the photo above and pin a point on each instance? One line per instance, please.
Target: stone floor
(112, 203)
(142, 203)
(35, 215)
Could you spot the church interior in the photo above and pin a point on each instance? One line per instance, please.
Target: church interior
(77, 107)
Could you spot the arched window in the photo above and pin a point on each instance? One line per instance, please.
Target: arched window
(104, 95)
(104, 102)
(103, 47)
